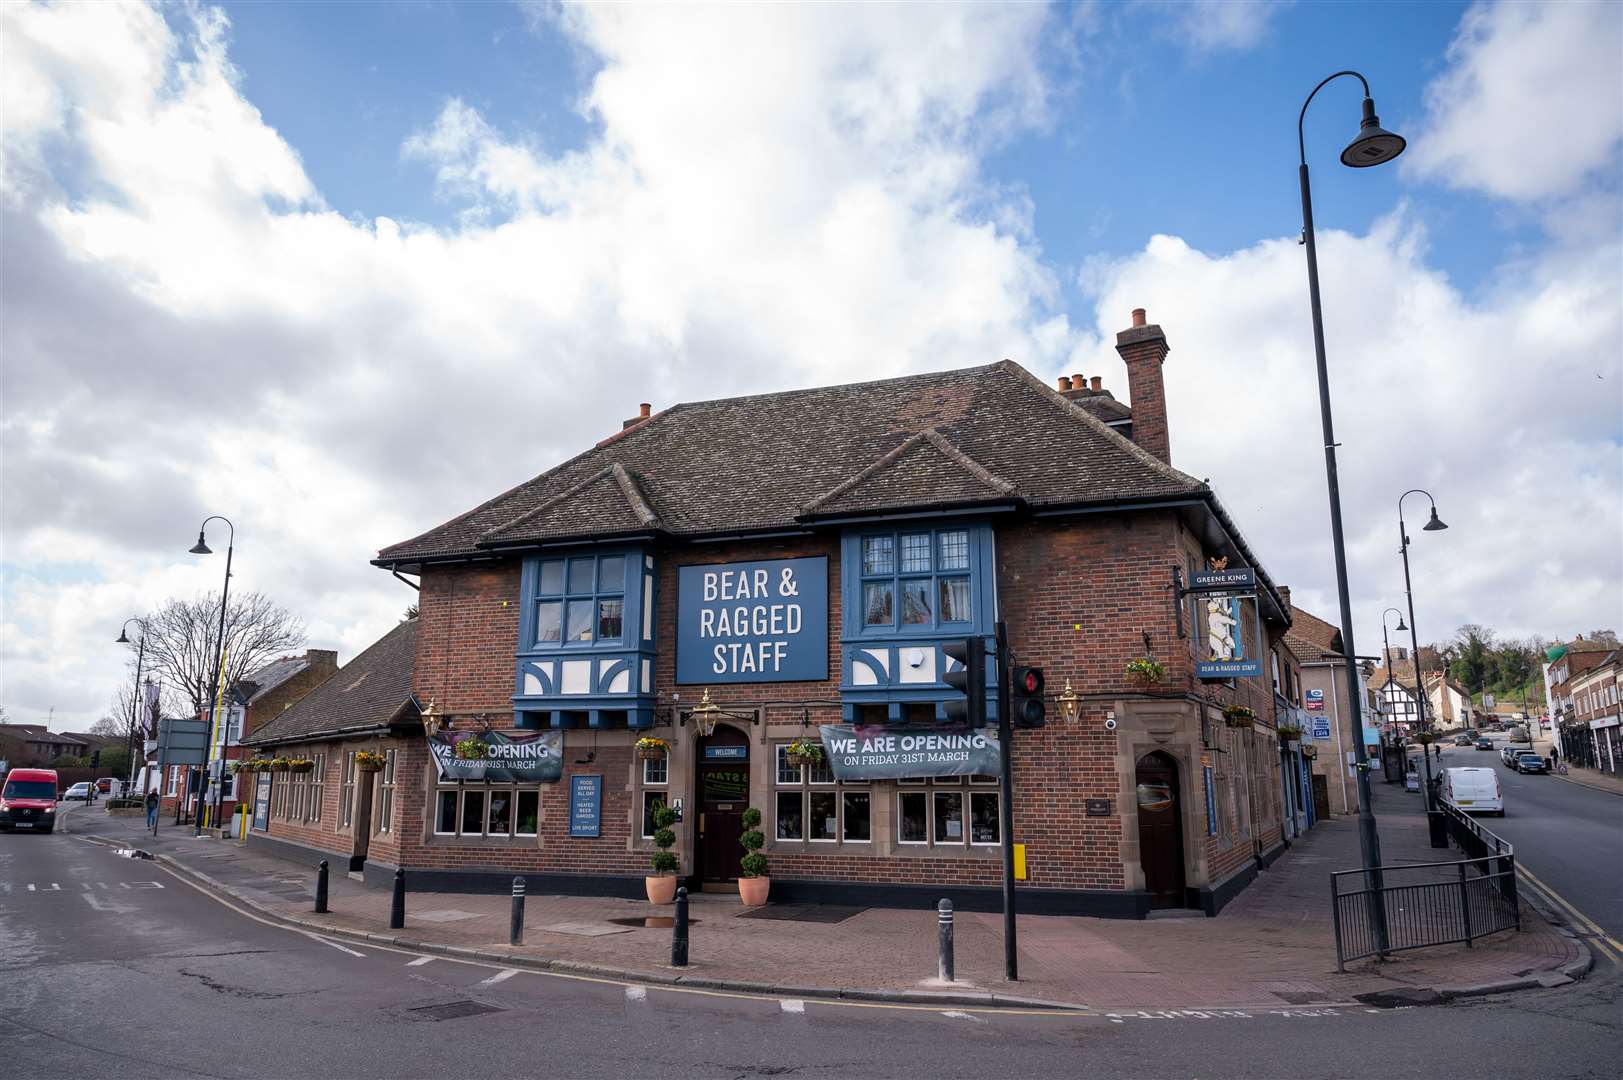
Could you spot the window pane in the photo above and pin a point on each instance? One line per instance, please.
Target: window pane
(580, 575)
(650, 799)
(501, 813)
(790, 825)
(473, 812)
(446, 821)
(656, 771)
(955, 599)
(820, 824)
(878, 555)
(580, 620)
(983, 817)
(876, 604)
(916, 553)
(954, 550)
(609, 614)
(916, 601)
(548, 620)
(820, 774)
(611, 574)
(949, 817)
(528, 814)
(856, 815)
(552, 577)
(910, 817)
(787, 773)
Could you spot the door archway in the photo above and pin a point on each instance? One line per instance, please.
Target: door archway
(723, 794)
(1160, 830)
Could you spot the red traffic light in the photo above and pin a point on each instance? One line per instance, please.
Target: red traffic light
(1030, 681)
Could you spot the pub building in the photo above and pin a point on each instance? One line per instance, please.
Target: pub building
(732, 575)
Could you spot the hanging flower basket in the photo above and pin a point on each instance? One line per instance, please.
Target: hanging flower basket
(1289, 733)
(1239, 716)
(1145, 672)
(369, 761)
(280, 764)
(471, 748)
(652, 749)
(300, 765)
(1426, 738)
(804, 752)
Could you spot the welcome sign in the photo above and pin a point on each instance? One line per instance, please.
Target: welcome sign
(750, 622)
(890, 753)
(534, 757)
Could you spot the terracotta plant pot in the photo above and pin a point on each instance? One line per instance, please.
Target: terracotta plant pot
(753, 890)
(661, 888)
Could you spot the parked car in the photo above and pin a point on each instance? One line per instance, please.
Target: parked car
(79, 792)
(1484, 743)
(1507, 755)
(1527, 762)
(1473, 790)
(1464, 740)
(28, 800)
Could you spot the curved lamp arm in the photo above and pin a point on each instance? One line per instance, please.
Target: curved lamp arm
(1301, 143)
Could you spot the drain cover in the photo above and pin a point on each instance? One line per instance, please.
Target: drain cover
(453, 1010)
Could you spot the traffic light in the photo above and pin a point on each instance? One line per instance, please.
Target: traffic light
(95, 758)
(1027, 689)
(970, 679)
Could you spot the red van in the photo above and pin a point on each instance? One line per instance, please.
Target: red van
(28, 800)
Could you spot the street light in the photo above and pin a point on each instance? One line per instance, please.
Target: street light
(1373, 146)
(202, 548)
(135, 698)
(1434, 525)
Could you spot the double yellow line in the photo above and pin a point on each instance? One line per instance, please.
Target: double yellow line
(1607, 945)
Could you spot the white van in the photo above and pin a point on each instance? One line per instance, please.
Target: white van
(1473, 790)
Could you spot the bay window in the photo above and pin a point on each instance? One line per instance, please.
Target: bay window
(917, 580)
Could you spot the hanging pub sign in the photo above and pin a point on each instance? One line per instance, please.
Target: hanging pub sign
(885, 753)
(524, 757)
(1241, 579)
(1225, 654)
(751, 622)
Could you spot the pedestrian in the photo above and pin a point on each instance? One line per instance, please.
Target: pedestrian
(152, 808)
(1555, 757)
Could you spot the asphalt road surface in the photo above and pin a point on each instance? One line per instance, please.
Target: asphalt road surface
(111, 967)
(1570, 837)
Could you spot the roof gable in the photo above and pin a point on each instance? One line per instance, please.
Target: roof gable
(370, 691)
(924, 470)
(608, 502)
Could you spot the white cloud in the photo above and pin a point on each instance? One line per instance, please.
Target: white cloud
(1214, 25)
(1530, 106)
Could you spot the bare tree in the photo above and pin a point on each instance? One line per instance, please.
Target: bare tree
(112, 725)
(182, 639)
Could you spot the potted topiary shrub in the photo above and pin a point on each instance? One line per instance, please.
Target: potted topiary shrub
(652, 749)
(804, 752)
(1239, 716)
(661, 884)
(1145, 672)
(1289, 733)
(753, 883)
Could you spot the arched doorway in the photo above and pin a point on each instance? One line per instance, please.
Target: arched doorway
(723, 770)
(1160, 830)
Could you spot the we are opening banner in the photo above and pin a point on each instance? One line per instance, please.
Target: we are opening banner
(875, 753)
(524, 757)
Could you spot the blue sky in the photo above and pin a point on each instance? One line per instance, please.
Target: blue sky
(340, 271)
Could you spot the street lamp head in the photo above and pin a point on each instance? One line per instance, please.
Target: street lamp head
(200, 548)
(1374, 144)
(123, 639)
(1435, 524)
(1401, 626)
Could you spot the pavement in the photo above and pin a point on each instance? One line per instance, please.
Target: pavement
(1273, 946)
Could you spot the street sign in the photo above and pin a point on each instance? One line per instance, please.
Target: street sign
(183, 742)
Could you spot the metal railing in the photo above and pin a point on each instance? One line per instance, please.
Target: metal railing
(1428, 904)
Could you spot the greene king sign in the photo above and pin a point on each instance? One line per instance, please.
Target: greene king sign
(890, 753)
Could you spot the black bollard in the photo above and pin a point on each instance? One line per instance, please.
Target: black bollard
(321, 888)
(515, 929)
(397, 906)
(944, 925)
(679, 930)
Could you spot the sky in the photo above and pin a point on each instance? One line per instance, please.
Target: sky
(340, 272)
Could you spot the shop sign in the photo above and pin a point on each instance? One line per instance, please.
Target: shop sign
(726, 753)
(1239, 579)
(585, 805)
(1315, 699)
(1225, 654)
(262, 792)
(1098, 807)
(1321, 727)
(891, 753)
(752, 622)
(1211, 801)
(533, 757)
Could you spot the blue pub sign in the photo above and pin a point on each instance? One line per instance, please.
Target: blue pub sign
(750, 622)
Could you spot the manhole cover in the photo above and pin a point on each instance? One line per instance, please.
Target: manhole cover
(812, 913)
(453, 1010)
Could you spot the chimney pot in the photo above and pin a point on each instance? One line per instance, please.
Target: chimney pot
(1138, 316)
(1064, 382)
(1078, 382)
(645, 410)
(1098, 383)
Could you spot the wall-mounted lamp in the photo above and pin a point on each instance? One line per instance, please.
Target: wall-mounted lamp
(705, 715)
(1069, 703)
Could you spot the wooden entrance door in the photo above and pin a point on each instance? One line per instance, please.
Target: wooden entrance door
(723, 795)
(1160, 830)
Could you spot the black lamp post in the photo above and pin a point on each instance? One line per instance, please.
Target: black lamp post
(1373, 146)
(1386, 644)
(135, 700)
(1434, 525)
(202, 548)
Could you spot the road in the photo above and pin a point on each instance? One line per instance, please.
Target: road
(1570, 837)
(113, 967)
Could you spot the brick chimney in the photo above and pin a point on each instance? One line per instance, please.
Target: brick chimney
(1143, 347)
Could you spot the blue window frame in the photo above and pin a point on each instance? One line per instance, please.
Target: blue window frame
(916, 580)
(579, 601)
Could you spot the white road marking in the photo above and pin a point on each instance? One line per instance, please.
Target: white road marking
(340, 948)
(146, 884)
(501, 976)
(956, 1015)
(419, 962)
(792, 1005)
(636, 993)
(101, 905)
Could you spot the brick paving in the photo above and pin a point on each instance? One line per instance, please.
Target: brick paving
(1272, 945)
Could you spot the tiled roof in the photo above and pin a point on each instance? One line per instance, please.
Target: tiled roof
(1310, 636)
(1104, 406)
(763, 462)
(370, 691)
(256, 684)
